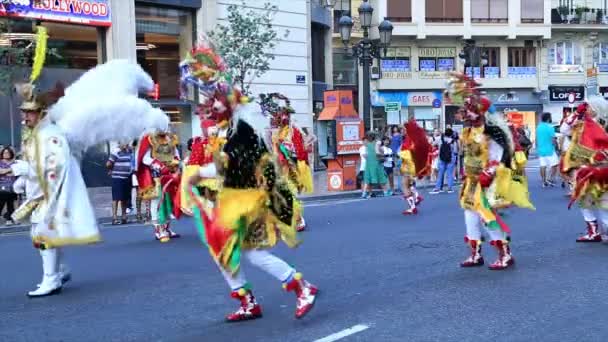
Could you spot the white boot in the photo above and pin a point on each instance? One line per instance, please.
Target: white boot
(65, 275)
(51, 280)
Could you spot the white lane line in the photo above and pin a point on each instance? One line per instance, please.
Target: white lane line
(344, 333)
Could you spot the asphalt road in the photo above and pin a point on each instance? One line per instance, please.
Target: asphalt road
(391, 277)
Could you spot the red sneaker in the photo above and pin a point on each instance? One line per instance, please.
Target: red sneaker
(249, 308)
(306, 294)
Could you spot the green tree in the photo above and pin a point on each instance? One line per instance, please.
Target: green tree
(246, 42)
(13, 55)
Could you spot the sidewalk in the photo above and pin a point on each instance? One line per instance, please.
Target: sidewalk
(101, 198)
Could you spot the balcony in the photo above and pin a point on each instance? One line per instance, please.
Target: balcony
(581, 16)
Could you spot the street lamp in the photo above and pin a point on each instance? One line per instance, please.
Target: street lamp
(473, 56)
(366, 49)
(328, 3)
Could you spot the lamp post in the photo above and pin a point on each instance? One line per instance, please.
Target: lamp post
(366, 49)
(473, 57)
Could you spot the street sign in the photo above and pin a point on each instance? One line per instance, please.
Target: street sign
(571, 98)
(392, 107)
(436, 103)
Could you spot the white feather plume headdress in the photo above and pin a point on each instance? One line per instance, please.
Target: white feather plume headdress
(251, 114)
(599, 105)
(494, 118)
(103, 105)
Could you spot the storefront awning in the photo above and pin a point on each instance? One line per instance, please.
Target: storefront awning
(329, 113)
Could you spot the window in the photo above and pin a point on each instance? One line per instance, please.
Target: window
(444, 11)
(344, 69)
(318, 53)
(522, 57)
(600, 56)
(492, 69)
(532, 11)
(399, 10)
(565, 53)
(161, 34)
(436, 59)
(489, 11)
(521, 62)
(342, 8)
(396, 63)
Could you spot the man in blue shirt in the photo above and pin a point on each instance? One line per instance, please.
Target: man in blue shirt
(545, 147)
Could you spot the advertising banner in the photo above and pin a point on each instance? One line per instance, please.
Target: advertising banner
(84, 12)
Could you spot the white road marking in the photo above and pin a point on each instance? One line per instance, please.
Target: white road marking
(344, 333)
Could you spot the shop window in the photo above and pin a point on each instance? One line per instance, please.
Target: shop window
(344, 68)
(341, 8)
(396, 63)
(566, 53)
(444, 11)
(399, 10)
(489, 11)
(532, 11)
(69, 46)
(164, 36)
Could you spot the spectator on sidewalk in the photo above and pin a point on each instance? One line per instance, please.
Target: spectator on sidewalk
(374, 171)
(388, 163)
(7, 179)
(447, 162)
(362, 157)
(545, 147)
(396, 140)
(121, 170)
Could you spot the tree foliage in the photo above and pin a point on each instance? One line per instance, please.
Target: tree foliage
(13, 54)
(246, 42)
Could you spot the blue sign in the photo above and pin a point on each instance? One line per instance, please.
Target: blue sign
(491, 72)
(521, 71)
(85, 12)
(427, 65)
(445, 64)
(380, 98)
(395, 65)
(436, 103)
(602, 67)
(301, 79)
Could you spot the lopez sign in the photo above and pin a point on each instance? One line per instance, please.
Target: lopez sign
(560, 94)
(85, 12)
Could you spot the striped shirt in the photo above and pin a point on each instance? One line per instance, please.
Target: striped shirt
(121, 164)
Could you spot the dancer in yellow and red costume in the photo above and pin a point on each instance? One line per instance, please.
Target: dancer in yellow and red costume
(415, 154)
(587, 158)
(254, 208)
(488, 183)
(288, 143)
(158, 176)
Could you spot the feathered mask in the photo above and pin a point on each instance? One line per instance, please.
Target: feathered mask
(206, 71)
(464, 91)
(278, 107)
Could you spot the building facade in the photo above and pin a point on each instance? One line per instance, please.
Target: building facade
(579, 41)
(157, 34)
(427, 39)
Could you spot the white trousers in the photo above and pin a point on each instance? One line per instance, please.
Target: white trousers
(591, 212)
(475, 224)
(154, 210)
(264, 260)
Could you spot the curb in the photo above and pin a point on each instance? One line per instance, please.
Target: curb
(5, 230)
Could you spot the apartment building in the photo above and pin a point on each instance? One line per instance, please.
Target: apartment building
(427, 40)
(579, 41)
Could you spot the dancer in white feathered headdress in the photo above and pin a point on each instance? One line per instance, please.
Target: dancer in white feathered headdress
(102, 105)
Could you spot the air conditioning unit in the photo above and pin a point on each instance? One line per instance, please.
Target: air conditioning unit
(375, 74)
